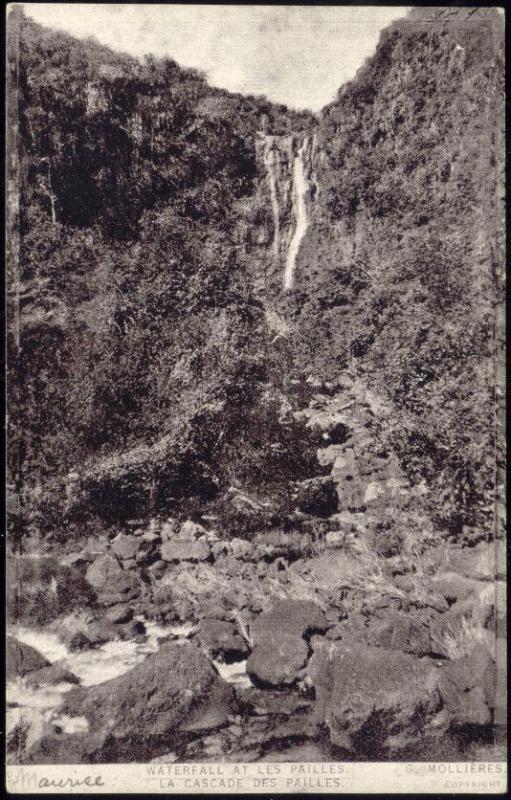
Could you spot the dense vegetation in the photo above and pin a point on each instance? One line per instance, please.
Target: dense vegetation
(142, 335)
(403, 262)
(136, 313)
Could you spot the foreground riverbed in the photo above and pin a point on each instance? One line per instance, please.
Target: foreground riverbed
(292, 680)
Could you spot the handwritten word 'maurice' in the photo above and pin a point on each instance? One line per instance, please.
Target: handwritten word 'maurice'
(71, 783)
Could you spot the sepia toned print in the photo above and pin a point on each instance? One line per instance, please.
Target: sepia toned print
(256, 399)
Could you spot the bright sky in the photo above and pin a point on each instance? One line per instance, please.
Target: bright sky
(297, 55)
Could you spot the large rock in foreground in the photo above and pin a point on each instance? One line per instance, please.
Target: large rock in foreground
(468, 688)
(150, 710)
(375, 701)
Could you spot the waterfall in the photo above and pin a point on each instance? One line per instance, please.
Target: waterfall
(270, 157)
(288, 167)
(299, 213)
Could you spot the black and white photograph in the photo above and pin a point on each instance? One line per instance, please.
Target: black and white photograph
(255, 328)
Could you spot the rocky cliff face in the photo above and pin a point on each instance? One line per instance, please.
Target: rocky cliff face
(399, 276)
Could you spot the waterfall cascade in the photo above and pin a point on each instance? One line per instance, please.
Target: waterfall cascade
(288, 163)
(300, 187)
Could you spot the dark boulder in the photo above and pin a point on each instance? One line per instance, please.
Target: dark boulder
(94, 634)
(222, 640)
(50, 676)
(299, 618)
(152, 708)
(373, 700)
(277, 662)
(468, 688)
(21, 659)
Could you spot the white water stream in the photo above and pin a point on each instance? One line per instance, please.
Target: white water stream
(102, 663)
(36, 705)
(299, 213)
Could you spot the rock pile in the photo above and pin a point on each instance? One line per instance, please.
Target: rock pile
(337, 629)
(308, 676)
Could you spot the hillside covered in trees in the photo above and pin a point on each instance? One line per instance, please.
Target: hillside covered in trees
(256, 388)
(403, 274)
(136, 311)
(137, 301)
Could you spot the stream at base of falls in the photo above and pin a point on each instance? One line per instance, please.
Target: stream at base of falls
(91, 667)
(102, 663)
(39, 703)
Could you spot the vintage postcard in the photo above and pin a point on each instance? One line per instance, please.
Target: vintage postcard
(256, 399)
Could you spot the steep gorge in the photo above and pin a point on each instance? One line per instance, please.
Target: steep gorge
(256, 403)
(262, 246)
